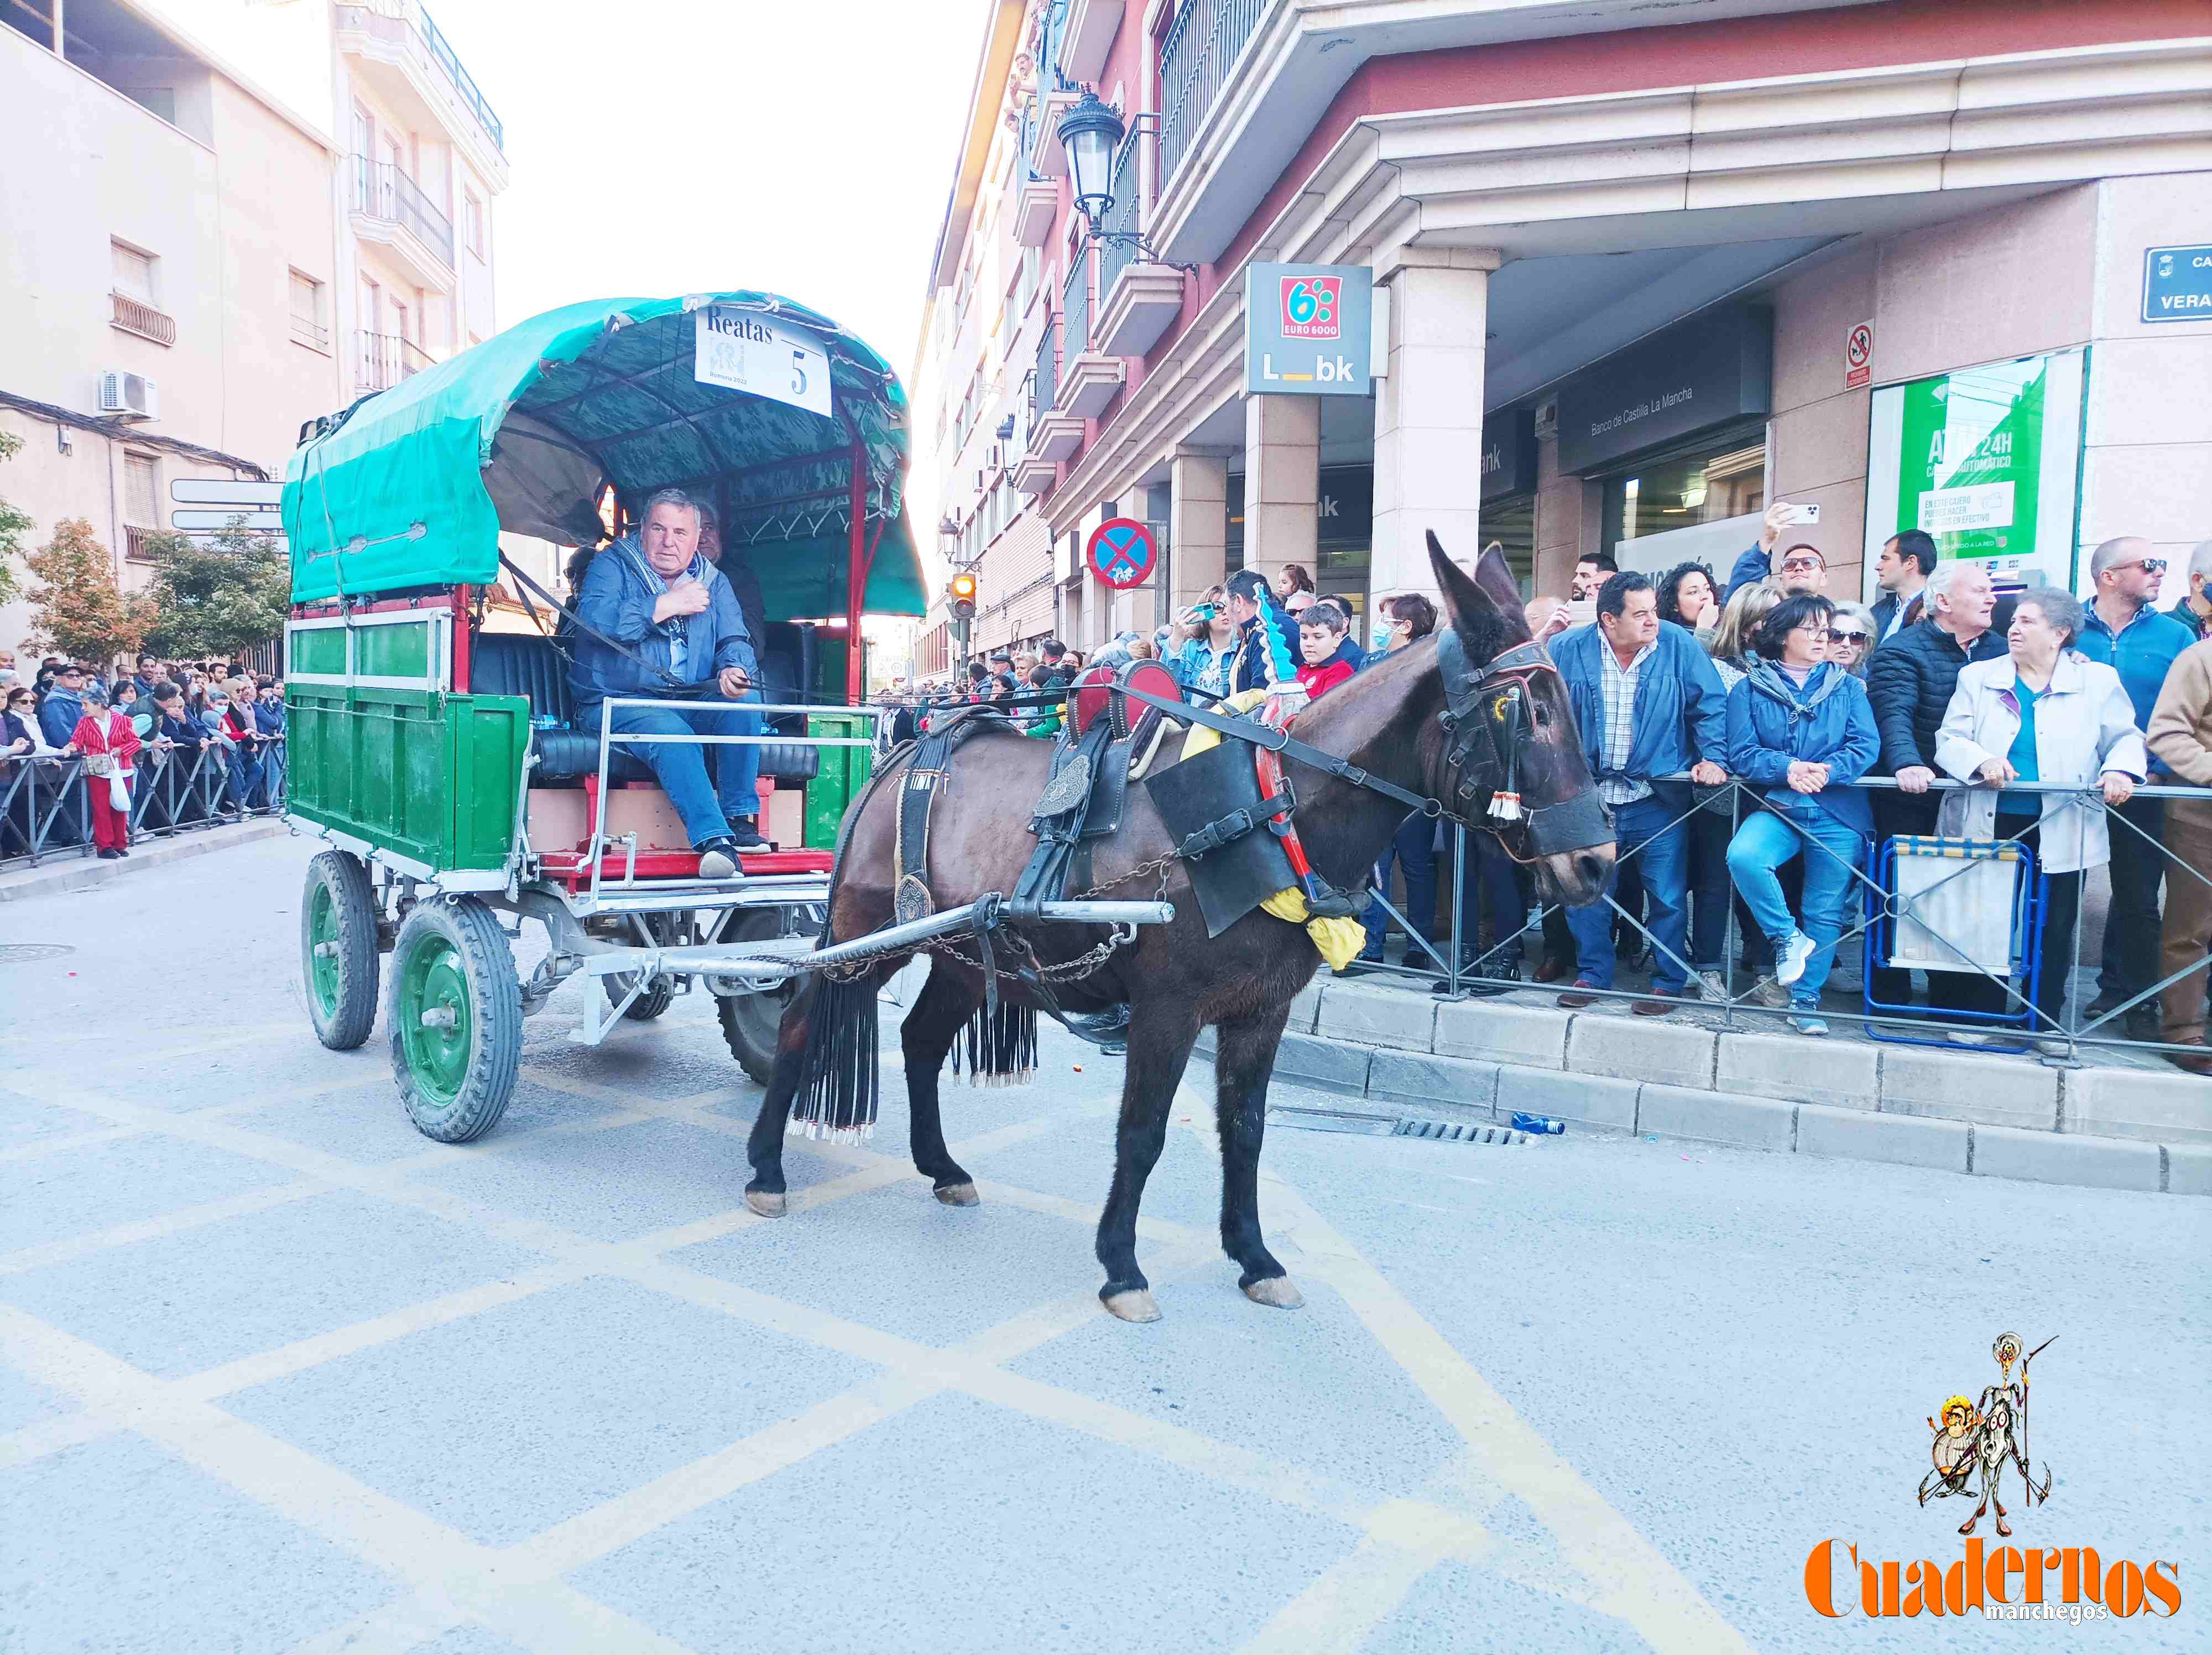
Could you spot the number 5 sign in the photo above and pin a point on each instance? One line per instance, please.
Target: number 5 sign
(745, 350)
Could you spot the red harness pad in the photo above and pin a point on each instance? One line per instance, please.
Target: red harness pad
(1096, 691)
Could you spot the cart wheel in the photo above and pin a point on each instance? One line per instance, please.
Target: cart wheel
(656, 997)
(752, 1022)
(337, 949)
(456, 1019)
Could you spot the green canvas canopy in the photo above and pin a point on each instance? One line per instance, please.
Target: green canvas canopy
(412, 486)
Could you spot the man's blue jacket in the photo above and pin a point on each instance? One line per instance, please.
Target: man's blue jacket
(618, 596)
(57, 716)
(1681, 711)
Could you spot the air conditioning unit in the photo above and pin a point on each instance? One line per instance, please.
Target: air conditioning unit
(132, 395)
(1547, 417)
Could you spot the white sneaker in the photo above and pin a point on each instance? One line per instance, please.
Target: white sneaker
(1790, 958)
(1710, 985)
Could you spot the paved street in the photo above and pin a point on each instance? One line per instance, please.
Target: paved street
(276, 1373)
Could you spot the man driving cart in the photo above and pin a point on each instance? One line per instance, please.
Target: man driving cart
(672, 613)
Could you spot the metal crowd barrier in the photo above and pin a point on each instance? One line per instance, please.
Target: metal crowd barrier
(46, 804)
(2016, 1023)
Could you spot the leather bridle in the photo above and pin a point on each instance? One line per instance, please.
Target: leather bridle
(1484, 719)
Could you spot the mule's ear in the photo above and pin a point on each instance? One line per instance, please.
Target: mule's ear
(1490, 591)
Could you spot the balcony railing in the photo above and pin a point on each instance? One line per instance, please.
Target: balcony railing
(1203, 44)
(1075, 310)
(1113, 257)
(406, 26)
(138, 542)
(136, 316)
(1044, 385)
(1055, 26)
(381, 190)
(314, 335)
(386, 359)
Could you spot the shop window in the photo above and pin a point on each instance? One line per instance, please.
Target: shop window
(1679, 492)
(1510, 524)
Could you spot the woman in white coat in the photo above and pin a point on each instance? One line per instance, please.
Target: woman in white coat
(2043, 713)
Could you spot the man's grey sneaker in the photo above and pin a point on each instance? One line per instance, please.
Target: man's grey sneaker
(745, 835)
(718, 859)
(1770, 993)
(1790, 958)
(1710, 985)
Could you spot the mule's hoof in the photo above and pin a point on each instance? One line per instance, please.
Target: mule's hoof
(1278, 1292)
(1135, 1306)
(958, 1195)
(767, 1203)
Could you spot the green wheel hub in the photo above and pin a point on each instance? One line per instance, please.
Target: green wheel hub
(435, 1027)
(323, 955)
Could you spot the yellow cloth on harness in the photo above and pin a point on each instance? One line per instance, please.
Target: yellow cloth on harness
(1339, 941)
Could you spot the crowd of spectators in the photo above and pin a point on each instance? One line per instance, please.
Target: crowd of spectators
(86, 747)
(1687, 683)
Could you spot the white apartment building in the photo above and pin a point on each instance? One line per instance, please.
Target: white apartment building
(1635, 270)
(226, 219)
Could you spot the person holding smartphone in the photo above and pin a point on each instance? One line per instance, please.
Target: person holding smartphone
(1759, 562)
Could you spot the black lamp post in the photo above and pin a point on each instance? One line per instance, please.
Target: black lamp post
(1091, 134)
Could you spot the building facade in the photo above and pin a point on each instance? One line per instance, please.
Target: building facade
(1940, 264)
(236, 230)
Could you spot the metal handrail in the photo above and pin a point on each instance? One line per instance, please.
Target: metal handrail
(1115, 255)
(382, 190)
(1202, 47)
(1044, 387)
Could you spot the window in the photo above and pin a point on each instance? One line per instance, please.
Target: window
(134, 272)
(472, 221)
(141, 491)
(309, 327)
(1706, 485)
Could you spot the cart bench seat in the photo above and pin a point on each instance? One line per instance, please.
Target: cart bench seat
(511, 664)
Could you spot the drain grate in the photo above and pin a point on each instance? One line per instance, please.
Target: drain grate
(1458, 1132)
(20, 954)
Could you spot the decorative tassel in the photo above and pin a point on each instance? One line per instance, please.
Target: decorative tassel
(838, 1089)
(1002, 1045)
(1506, 806)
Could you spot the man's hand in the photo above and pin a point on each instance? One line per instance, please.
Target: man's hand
(1995, 773)
(1771, 525)
(1806, 776)
(1915, 778)
(733, 683)
(1706, 774)
(2119, 787)
(686, 597)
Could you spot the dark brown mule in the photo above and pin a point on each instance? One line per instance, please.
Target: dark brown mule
(1174, 978)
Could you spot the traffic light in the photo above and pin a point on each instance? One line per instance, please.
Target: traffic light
(960, 597)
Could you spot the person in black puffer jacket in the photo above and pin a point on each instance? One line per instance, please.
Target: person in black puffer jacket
(1910, 680)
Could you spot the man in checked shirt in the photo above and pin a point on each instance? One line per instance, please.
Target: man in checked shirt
(1650, 705)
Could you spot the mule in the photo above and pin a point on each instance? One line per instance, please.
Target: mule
(1174, 978)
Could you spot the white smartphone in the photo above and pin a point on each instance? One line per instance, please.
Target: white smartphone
(1804, 513)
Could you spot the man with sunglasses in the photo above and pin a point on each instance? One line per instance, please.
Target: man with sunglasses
(2123, 628)
(2194, 609)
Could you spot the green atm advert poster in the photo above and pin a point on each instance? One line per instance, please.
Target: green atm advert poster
(1984, 460)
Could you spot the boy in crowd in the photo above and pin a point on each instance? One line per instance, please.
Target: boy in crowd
(1329, 655)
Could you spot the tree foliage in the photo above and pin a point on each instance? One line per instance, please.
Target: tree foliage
(13, 524)
(218, 600)
(79, 610)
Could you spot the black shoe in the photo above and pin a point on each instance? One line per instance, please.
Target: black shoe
(109, 855)
(746, 835)
(718, 859)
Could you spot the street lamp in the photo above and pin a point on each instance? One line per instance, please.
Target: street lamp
(1091, 134)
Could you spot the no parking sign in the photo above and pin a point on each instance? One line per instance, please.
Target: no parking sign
(1121, 553)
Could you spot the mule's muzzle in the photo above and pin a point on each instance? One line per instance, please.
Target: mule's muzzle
(1575, 877)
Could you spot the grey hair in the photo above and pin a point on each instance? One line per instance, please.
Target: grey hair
(2200, 561)
(2061, 609)
(1946, 574)
(678, 498)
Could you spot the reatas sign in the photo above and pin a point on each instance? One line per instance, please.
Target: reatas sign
(1308, 330)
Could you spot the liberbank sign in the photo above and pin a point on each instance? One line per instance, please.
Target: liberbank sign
(1309, 329)
(1710, 371)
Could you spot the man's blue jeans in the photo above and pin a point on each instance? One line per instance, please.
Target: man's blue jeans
(681, 768)
(1646, 830)
(1766, 841)
(1413, 849)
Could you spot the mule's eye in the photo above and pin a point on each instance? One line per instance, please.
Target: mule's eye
(1543, 715)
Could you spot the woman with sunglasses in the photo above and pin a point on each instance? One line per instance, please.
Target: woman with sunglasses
(1801, 729)
(1850, 638)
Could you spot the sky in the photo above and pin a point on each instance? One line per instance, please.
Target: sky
(671, 146)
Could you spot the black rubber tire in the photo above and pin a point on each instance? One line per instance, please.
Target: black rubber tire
(352, 900)
(468, 932)
(658, 995)
(751, 1023)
